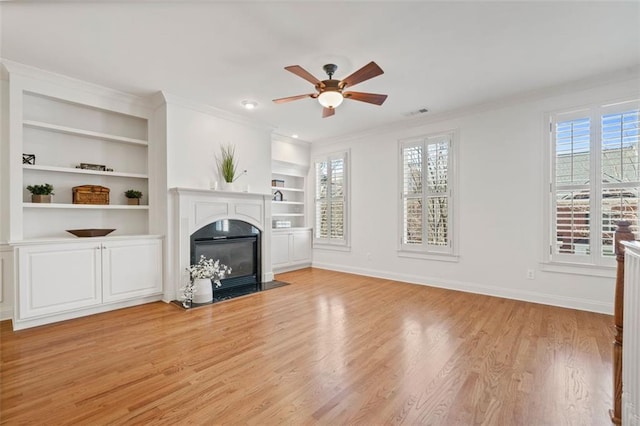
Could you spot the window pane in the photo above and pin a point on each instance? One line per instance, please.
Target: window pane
(330, 199)
(412, 162)
(620, 160)
(618, 204)
(437, 165)
(437, 221)
(572, 152)
(572, 222)
(337, 178)
(321, 180)
(412, 233)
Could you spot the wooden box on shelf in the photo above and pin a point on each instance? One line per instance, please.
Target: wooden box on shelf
(90, 194)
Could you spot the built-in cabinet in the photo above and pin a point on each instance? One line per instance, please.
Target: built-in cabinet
(67, 133)
(291, 249)
(66, 277)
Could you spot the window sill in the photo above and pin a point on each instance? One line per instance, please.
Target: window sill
(442, 257)
(331, 247)
(579, 269)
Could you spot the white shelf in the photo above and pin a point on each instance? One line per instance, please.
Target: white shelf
(281, 188)
(293, 203)
(81, 132)
(287, 214)
(83, 206)
(83, 171)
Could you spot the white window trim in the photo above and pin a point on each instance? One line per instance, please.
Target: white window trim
(593, 264)
(427, 252)
(326, 243)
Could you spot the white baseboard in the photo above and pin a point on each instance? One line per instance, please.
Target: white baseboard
(36, 321)
(525, 296)
(6, 314)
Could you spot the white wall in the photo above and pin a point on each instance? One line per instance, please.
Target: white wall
(500, 204)
(194, 137)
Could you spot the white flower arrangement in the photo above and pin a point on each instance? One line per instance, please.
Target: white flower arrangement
(206, 269)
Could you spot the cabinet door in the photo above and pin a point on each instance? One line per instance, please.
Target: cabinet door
(279, 249)
(131, 269)
(301, 246)
(57, 278)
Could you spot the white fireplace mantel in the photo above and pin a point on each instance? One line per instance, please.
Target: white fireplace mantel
(194, 208)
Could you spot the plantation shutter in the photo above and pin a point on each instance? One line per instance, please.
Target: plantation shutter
(330, 199)
(426, 195)
(437, 191)
(572, 165)
(620, 175)
(412, 195)
(321, 199)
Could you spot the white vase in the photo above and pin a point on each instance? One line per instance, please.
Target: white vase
(228, 186)
(204, 290)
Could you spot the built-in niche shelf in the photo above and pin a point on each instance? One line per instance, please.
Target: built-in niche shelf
(290, 211)
(83, 206)
(281, 188)
(81, 132)
(83, 171)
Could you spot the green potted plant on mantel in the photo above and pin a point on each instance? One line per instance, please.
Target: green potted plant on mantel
(228, 166)
(133, 197)
(41, 193)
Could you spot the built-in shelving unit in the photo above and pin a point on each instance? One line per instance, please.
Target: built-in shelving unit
(290, 211)
(62, 135)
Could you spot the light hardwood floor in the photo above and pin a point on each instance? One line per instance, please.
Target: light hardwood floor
(330, 348)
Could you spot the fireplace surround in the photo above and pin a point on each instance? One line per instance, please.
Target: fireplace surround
(193, 210)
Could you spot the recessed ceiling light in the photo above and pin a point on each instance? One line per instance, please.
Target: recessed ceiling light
(295, 136)
(249, 104)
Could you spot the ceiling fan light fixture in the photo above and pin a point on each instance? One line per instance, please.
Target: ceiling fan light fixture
(330, 99)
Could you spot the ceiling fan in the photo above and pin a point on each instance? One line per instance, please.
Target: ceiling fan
(330, 92)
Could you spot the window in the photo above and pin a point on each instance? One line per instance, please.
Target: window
(594, 181)
(331, 177)
(426, 201)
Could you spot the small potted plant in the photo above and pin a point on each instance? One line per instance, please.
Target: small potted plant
(200, 288)
(228, 166)
(133, 197)
(41, 193)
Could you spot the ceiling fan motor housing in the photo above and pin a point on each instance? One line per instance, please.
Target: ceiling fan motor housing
(330, 69)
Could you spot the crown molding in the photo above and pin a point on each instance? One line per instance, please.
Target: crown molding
(38, 74)
(278, 137)
(172, 99)
(619, 76)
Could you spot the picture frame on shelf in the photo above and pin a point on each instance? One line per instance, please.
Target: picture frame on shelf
(29, 159)
(96, 167)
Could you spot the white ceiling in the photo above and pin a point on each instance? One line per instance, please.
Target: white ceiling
(438, 55)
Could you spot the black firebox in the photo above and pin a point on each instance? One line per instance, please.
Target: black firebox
(236, 244)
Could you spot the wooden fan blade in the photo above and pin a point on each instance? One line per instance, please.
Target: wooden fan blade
(301, 72)
(372, 98)
(365, 73)
(328, 112)
(295, 98)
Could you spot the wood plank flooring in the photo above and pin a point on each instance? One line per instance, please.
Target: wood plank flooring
(331, 348)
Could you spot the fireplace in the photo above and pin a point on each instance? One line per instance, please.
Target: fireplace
(224, 223)
(236, 244)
